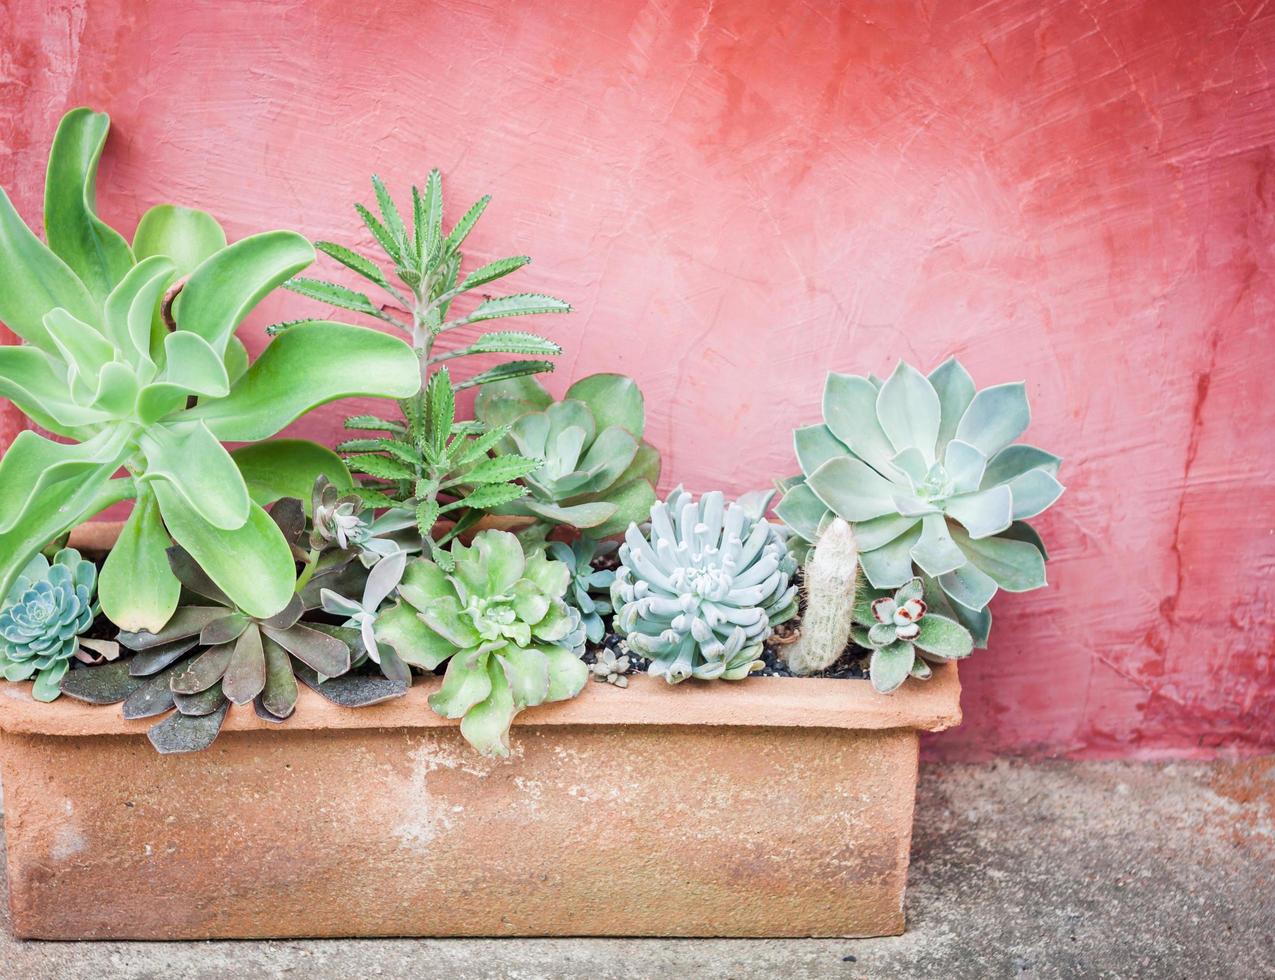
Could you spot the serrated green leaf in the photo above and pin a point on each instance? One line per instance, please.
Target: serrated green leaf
(374, 498)
(491, 495)
(373, 423)
(389, 211)
(482, 445)
(381, 234)
(503, 372)
(400, 450)
(333, 294)
(381, 467)
(427, 512)
(466, 224)
(520, 304)
(441, 405)
(493, 271)
(431, 239)
(510, 342)
(501, 469)
(352, 260)
(277, 328)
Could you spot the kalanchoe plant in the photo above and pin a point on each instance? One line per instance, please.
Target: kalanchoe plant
(590, 588)
(597, 474)
(499, 621)
(905, 637)
(702, 594)
(429, 466)
(47, 608)
(926, 470)
(140, 369)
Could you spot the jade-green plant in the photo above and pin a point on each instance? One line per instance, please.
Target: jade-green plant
(430, 467)
(590, 588)
(46, 609)
(905, 637)
(925, 470)
(831, 574)
(702, 594)
(427, 267)
(500, 622)
(139, 369)
(598, 474)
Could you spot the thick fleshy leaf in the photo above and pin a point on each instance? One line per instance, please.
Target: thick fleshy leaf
(136, 588)
(203, 671)
(969, 586)
(632, 502)
(252, 564)
(908, 410)
(37, 384)
(108, 684)
(873, 534)
(890, 566)
(181, 733)
(227, 629)
(583, 516)
(853, 489)
(486, 725)
(80, 345)
(982, 513)
(943, 638)
(351, 690)
(527, 672)
(815, 445)
(465, 684)
(185, 236)
(200, 703)
(503, 402)
(288, 468)
(491, 564)
(614, 399)
(955, 389)
(890, 666)
(1014, 461)
(98, 254)
(802, 511)
(280, 694)
(308, 366)
(850, 411)
(47, 686)
(1035, 491)
(188, 621)
(144, 663)
(195, 466)
(936, 553)
(965, 465)
(321, 651)
(996, 417)
(225, 287)
(567, 673)
(153, 698)
(131, 307)
(192, 364)
(245, 676)
(1022, 531)
(1015, 566)
(35, 282)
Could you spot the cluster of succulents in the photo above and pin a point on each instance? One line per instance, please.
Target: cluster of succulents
(242, 576)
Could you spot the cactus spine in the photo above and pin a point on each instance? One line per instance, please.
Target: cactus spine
(830, 578)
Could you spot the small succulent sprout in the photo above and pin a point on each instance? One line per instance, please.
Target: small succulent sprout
(700, 596)
(610, 669)
(597, 474)
(361, 615)
(927, 471)
(590, 588)
(905, 637)
(45, 611)
(499, 621)
(338, 517)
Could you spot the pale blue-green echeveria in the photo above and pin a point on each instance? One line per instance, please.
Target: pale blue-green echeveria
(116, 349)
(597, 473)
(590, 588)
(499, 620)
(700, 597)
(925, 470)
(44, 612)
(905, 636)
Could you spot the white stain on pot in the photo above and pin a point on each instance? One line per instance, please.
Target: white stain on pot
(68, 841)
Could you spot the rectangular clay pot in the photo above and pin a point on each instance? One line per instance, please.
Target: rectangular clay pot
(769, 807)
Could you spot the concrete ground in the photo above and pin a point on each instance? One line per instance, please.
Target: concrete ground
(1019, 870)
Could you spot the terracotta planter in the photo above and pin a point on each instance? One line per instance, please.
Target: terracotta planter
(772, 807)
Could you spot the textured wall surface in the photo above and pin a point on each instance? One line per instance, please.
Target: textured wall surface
(738, 196)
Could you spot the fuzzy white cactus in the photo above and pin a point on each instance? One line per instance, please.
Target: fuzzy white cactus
(831, 574)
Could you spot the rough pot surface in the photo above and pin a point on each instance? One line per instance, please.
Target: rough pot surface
(754, 809)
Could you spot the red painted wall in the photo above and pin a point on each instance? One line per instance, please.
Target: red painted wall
(739, 196)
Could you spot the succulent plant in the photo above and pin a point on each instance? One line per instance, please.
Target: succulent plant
(499, 621)
(46, 609)
(130, 354)
(361, 614)
(610, 669)
(829, 582)
(925, 470)
(342, 520)
(700, 597)
(597, 473)
(905, 637)
(590, 589)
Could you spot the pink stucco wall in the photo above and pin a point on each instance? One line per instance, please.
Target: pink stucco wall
(740, 195)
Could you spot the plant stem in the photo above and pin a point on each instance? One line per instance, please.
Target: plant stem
(311, 563)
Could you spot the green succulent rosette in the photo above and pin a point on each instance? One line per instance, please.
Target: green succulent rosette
(905, 636)
(43, 615)
(500, 622)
